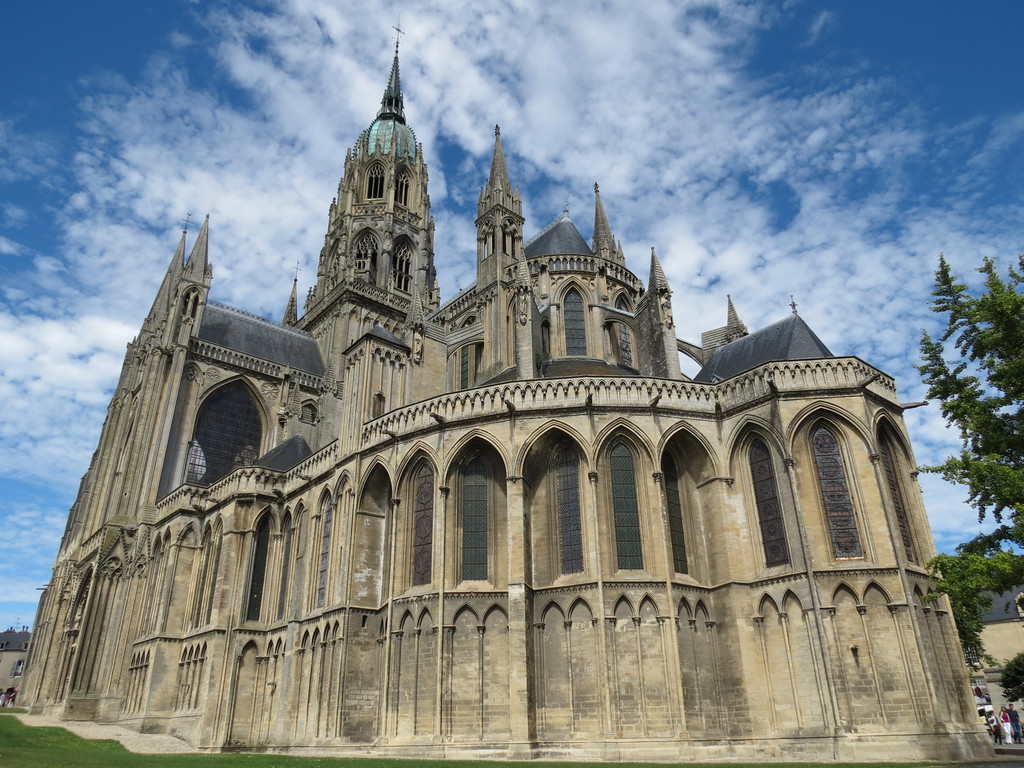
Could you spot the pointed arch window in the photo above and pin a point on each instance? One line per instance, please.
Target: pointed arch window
(626, 512)
(258, 570)
(625, 340)
(475, 513)
(286, 567)
(401, 271)
(675, 515)
(423, 525)
(228, 435)
(769, 509)
(402, 188)
(575, 324)
(326, 523)
(375, 182)
(835, 494)
(890, 464)
(566, 462)
(366, 258)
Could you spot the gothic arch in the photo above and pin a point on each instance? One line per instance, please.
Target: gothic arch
(543, 438)
(483, 441)
(228, 431)
(623, 429)
(839, 418)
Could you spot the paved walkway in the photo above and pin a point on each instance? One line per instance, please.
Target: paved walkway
(142, 743)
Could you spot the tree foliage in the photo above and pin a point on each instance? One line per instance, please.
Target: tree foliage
(982, 395)
(1013, 678)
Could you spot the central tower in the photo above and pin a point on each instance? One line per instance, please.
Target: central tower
(378, 253)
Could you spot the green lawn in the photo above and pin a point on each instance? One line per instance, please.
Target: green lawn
(23, 746)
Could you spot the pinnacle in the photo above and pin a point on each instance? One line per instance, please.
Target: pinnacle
(603, 240)
(499, 170)
(657, 278)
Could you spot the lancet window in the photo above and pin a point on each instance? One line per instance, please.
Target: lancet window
(575, 324)
(402, 187)
(769, 509)
(366, 258)
(675, 515)
(475, 513)
(375, 182)
(566, 463)
(626, 512)
(326, 524)
(835, 494)
(401, 271)
(258, 570)
(423, 525)
(286, 567)
(625, 341)
(890, 465)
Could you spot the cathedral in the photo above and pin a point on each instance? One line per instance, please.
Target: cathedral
(504, 525)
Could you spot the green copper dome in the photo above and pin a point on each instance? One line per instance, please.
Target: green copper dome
(387, 132)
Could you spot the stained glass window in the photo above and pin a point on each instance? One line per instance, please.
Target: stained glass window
(835, 494)
(575, 326)
(423, 525)
(228, 435)
(286, 567)
(261, 544)
(327, 522)
(625, 509)
(769, 510)
(375, 182)
(675, 515)
(570, 541)
(625, 342)
(474, 520)
(464, 356)
(898, 503)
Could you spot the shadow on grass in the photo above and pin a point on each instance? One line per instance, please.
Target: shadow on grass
(23, 746)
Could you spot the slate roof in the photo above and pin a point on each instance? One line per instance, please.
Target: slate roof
(286, 455)
(582, 366)
(558, 238)
(1004, 607)
(788, 339)
(256, 336)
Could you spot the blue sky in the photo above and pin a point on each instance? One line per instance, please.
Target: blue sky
(826, 150)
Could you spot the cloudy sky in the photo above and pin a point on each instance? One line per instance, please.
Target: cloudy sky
(825, 150)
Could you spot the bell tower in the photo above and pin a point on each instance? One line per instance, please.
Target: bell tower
(379, 249)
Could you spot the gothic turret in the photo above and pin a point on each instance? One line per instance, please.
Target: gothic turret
(378, 252)
(499, 223)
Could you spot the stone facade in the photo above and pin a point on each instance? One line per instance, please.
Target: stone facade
(504, 526)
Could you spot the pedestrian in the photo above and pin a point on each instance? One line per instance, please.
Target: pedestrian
(1004, 718)
(995, 729)
(1014, 723)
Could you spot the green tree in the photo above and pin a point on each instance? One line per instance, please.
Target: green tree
(982, 394)
(1013, 678)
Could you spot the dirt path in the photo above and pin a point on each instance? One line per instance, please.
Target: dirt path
(142, 743)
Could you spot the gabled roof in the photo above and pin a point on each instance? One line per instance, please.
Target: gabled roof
(258, 337)
(286, 455)
(788, 339)
(558, 238)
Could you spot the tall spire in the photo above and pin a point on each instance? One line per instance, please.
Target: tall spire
(657, 280)
(604, 243)
(733, 325)
(291, 313)
(162, 302)
(198, 261)
(391, 105)
(499, 170)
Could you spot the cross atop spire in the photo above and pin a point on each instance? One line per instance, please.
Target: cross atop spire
(391, 105)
